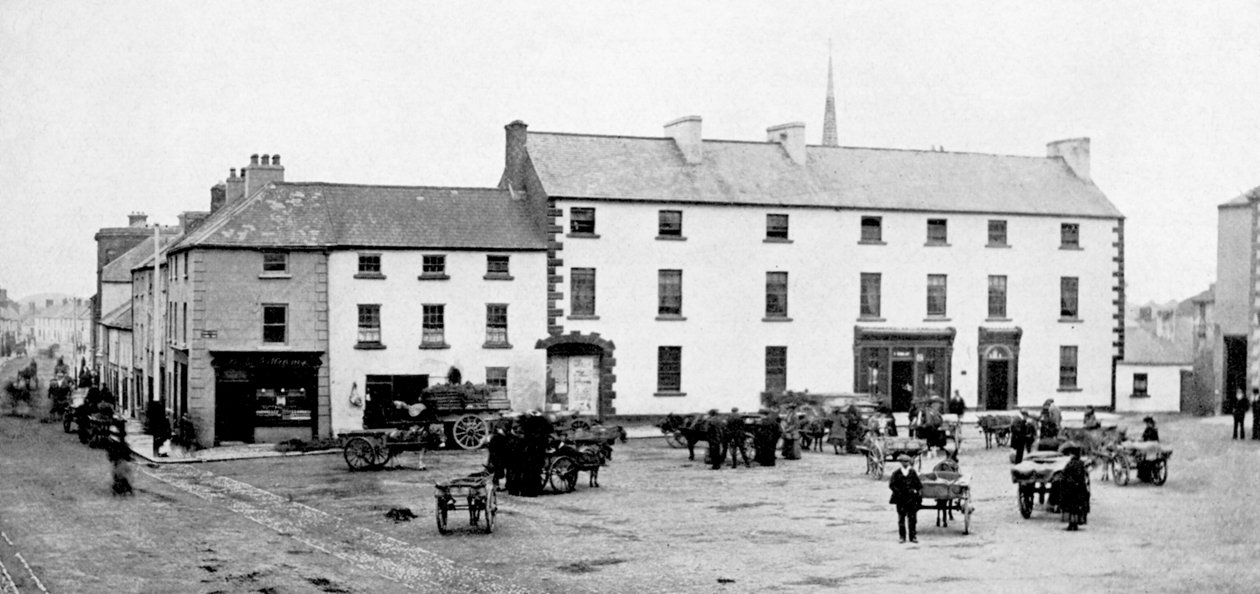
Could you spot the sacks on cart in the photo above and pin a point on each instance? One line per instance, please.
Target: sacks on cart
(1148, 450)
(1040, 469)
(944, 484)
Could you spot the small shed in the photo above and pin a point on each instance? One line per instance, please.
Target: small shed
(1154, 370)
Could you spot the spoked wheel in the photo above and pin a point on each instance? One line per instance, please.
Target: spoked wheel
(1160, 473)
(1025, 501)
(1004, 439)
(441, 518)
(360, 454)
(383, 456)
(492, 507)
(675, 439)
(579, 425)
(470, 431)
(562, 474)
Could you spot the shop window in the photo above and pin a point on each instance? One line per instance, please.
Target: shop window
(997, 233)
(669, 369)
(433, 267)
(997, 296)
(1139, 386)
(1067, 368)
(870, 295)
(776, 227)
(669, 293)
(497, 267)
(279, 406)
(776, 369)
(582, 291)
(776, 295)
(669, 223)
(937, 233)
(1068, 297)
(496, 325)
(582, 221)
(872, 230)
(369, 324)
(382, 391)
(275, 262)
(434, 326)
(936, 295)
(275, 323)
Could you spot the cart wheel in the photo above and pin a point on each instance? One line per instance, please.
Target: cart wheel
(1121, 471)
(469, 431)
(1025, 501)
(382, 456)
(562, 474)
(675, 439)
(360, 454)
(441, 518)
(579, 425)
(1160, 473)
(491, 508)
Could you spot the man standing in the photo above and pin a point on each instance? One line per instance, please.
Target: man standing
(907, 495)
(1240, 406)
(536, 436)
(715, 433)
(768, 432)
(957, 406)
(1255, 410)
(1021, 430)
(791, 434)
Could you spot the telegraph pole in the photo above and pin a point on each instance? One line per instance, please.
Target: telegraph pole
(154, 392)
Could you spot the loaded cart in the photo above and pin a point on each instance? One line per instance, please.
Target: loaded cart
(465, 411)
(881, 450)
(1037, 478)
(948, 492)
(372, 449)
(1148, 459)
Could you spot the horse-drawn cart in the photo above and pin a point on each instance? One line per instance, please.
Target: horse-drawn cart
(372, 449)
(948, 492)
(881, 450)
(1148, 459)
(576, 451)
(475, 493)
(996, 429)
(1037, 479)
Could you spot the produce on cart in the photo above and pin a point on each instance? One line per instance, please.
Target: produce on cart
(880, 450)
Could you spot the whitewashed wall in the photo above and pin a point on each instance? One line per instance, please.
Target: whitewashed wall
(401, 296)
(1163, 383)
(724, 261)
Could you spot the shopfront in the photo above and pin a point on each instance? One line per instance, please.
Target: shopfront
(900, 366)
(265, 397)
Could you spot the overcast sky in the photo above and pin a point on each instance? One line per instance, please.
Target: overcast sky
(112, 107)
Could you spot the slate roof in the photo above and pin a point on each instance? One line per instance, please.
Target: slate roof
(119, 271)
(317, 215)
(119, 318)
(1242, 199)
(761, 173)
(1143, 346)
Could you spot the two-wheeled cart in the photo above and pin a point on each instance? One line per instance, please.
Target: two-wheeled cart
(948, 492)
(1147, 459)
(881, 450)
(475, 493)
(372, 449)
(1036, 480)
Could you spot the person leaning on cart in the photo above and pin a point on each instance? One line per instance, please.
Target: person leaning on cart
(907, 495)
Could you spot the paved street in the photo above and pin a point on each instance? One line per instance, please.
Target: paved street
(658, 524)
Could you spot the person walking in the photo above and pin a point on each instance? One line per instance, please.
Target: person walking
(791, 434)
(1021, 428)
(159, 427)
(737, 439)
(1074, 489)
(1240, 406)
(907, 495)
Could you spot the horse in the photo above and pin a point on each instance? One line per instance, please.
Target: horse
(813, 432)
(689, 429)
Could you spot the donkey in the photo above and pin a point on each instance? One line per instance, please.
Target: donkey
(691, 428)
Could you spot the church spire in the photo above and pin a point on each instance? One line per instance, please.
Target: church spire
(829, 112)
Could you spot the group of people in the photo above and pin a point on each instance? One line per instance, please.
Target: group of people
(1240, 405)
(518, 453)
(729, 434)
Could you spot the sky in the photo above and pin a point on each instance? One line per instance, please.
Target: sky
(108, 108)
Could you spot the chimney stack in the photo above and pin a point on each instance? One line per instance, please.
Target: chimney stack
(686, 134)
(137, 219)
(792, 137)
(218, 196)
(1074, 152)
(515, 156)
(258, 175)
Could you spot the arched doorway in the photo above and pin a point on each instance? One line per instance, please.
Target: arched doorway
(999, 369)
(580, 373)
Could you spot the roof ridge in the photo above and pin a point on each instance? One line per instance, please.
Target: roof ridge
(396, 186)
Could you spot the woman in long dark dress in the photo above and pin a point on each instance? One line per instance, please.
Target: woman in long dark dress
(1074, 489)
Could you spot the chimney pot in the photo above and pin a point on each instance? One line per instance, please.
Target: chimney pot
(266, 160)
(275, 160)
(253, 159)
(686, 134)
(232, 173)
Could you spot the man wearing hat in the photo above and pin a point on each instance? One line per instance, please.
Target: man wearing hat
(1021, 435)
(907, 495)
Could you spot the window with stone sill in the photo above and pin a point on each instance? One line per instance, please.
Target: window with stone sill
(369, 324)
(1067, 367)
(1139, 385)
(669, 223)
(275, 262)
(370, 265)
(669, 369)
(582, 220)
(433, 266)
(496, 324)
(433, 325)
(776, 294)
(937, 232)
(1070, 236)
(997, 233)
(776, 226)
(275, 323)
(872, 230)
(497, 266)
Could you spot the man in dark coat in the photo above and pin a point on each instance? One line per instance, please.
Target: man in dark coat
(1074, 489)
(159, 426)
(907, 495)
(1255, 410)
(737, 439)
(498, 453)
(853, 429)
(1021, 435)
(536, 437)
(1240, 406)
(768, 432)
